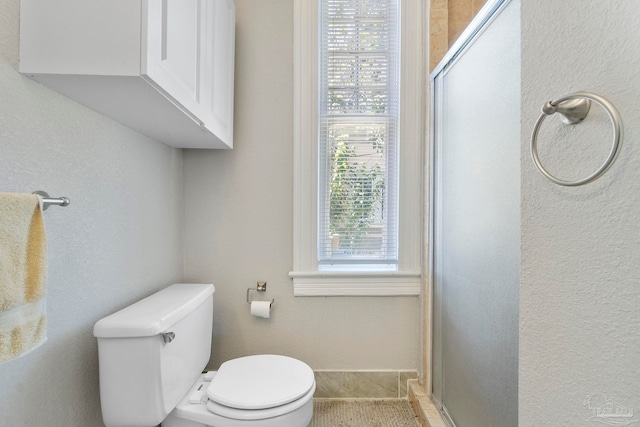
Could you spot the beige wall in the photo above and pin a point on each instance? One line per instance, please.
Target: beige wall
(118, 241)
(239, 213)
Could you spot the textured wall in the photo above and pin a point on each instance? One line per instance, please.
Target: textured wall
(239, 226)
(119, 240)
(580, 277)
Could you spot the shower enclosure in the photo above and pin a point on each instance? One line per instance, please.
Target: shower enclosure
(475, 221)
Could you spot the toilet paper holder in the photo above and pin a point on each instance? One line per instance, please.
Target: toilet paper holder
(260, 287)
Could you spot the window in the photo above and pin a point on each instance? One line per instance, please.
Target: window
(357, 134)
(357, 148)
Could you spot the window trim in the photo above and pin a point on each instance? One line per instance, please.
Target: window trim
(307, 280)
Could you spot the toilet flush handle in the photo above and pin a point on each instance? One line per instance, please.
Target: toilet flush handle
(167, 337)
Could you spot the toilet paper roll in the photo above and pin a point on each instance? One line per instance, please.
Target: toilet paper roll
(261, 308)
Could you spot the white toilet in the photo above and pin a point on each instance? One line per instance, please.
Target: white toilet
(152, 354)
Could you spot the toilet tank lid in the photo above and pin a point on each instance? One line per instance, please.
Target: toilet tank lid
(155, 313)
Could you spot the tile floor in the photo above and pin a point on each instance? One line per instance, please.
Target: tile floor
(363, 413)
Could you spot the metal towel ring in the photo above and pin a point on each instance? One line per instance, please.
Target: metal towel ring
(574, 108)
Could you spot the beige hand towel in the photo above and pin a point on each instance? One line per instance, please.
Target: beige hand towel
(22, 275)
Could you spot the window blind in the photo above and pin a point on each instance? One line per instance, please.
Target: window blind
(358, 133)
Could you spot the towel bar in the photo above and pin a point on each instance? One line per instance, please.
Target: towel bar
(48, 201)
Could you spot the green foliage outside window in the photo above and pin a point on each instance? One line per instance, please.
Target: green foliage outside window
(357, 186)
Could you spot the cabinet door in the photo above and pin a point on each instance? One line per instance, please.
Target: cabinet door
(218, 55)
(174, 34)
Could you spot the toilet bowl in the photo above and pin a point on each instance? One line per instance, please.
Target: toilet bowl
(151, 355)
(253, 391)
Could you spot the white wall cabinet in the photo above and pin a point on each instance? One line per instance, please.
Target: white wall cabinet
(162, 67)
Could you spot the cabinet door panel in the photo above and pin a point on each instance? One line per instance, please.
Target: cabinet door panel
(219, 58)
(173, 57)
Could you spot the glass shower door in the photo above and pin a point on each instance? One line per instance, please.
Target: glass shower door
(476, 227)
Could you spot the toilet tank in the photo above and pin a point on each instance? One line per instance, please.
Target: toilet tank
(143, 376)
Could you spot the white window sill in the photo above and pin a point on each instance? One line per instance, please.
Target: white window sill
(380, 283)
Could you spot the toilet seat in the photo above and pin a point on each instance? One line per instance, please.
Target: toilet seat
(259, 414)
(261, 386)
